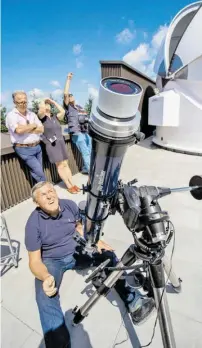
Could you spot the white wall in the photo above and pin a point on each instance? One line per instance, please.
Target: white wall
(188, 136)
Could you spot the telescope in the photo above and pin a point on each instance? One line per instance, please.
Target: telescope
(113, 129)
(112, 126)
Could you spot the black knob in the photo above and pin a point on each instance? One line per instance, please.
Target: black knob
(132, 182)
(196, 180)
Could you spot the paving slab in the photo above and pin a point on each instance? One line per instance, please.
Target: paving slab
(13, 332)
(34, 341)
(188, 333)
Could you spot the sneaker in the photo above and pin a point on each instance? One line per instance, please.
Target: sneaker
(84, 172)
(140, 309)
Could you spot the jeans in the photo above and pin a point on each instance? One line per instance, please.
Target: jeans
(52, 319)
(33, 159)
(84, 144)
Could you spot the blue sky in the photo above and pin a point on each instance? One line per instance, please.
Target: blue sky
(43, 40)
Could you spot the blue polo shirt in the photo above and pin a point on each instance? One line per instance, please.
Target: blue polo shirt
(53, 235)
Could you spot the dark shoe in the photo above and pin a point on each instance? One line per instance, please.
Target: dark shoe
(59, 338)
(84, 172)
(140, 309)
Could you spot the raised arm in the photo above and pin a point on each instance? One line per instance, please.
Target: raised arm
(61, 113)
(66, 89)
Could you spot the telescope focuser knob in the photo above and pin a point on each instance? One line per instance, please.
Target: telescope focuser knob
(132, 182)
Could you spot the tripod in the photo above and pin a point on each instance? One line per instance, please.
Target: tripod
(152, 231)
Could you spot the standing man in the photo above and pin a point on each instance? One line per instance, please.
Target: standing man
(25, 130)
(79, 137)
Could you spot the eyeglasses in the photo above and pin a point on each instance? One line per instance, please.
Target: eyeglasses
(21, 103)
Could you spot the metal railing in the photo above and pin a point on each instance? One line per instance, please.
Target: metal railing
(16, 181)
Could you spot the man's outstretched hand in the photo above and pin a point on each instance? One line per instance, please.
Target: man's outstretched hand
(102, 245)
(49, 286)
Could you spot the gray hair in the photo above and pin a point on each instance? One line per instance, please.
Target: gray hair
(17, 92)
(38, 186)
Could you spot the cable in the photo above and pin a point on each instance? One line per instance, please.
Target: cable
(173, 248)
(114, 343)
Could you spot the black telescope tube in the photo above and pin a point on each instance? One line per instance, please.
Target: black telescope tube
(106, 160)
(112, 126)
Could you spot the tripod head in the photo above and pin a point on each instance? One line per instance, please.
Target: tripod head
(143, 216)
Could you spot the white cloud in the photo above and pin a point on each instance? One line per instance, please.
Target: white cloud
(92, 91)
(79, 63)
(4, 97)
(57, 93)
(159, 36)
(138, 56)
(55, 83)
(84, 81)
(125, 36)
(77, 49)
(143, 57)
(36, 93)
(6, 100)
(149, 69)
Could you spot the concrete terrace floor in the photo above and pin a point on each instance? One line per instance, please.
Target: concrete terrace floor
(108, 325)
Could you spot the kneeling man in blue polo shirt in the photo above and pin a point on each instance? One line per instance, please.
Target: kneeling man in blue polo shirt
(49, 239)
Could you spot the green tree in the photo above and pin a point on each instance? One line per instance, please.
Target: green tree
(3, 119)
(54, 110)
(35, 106)
(88, 105)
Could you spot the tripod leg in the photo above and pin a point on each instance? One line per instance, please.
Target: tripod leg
(158, 283)
(176, 282)
(127, 260)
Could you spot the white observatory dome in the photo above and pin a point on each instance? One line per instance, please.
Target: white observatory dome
(177, 109)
